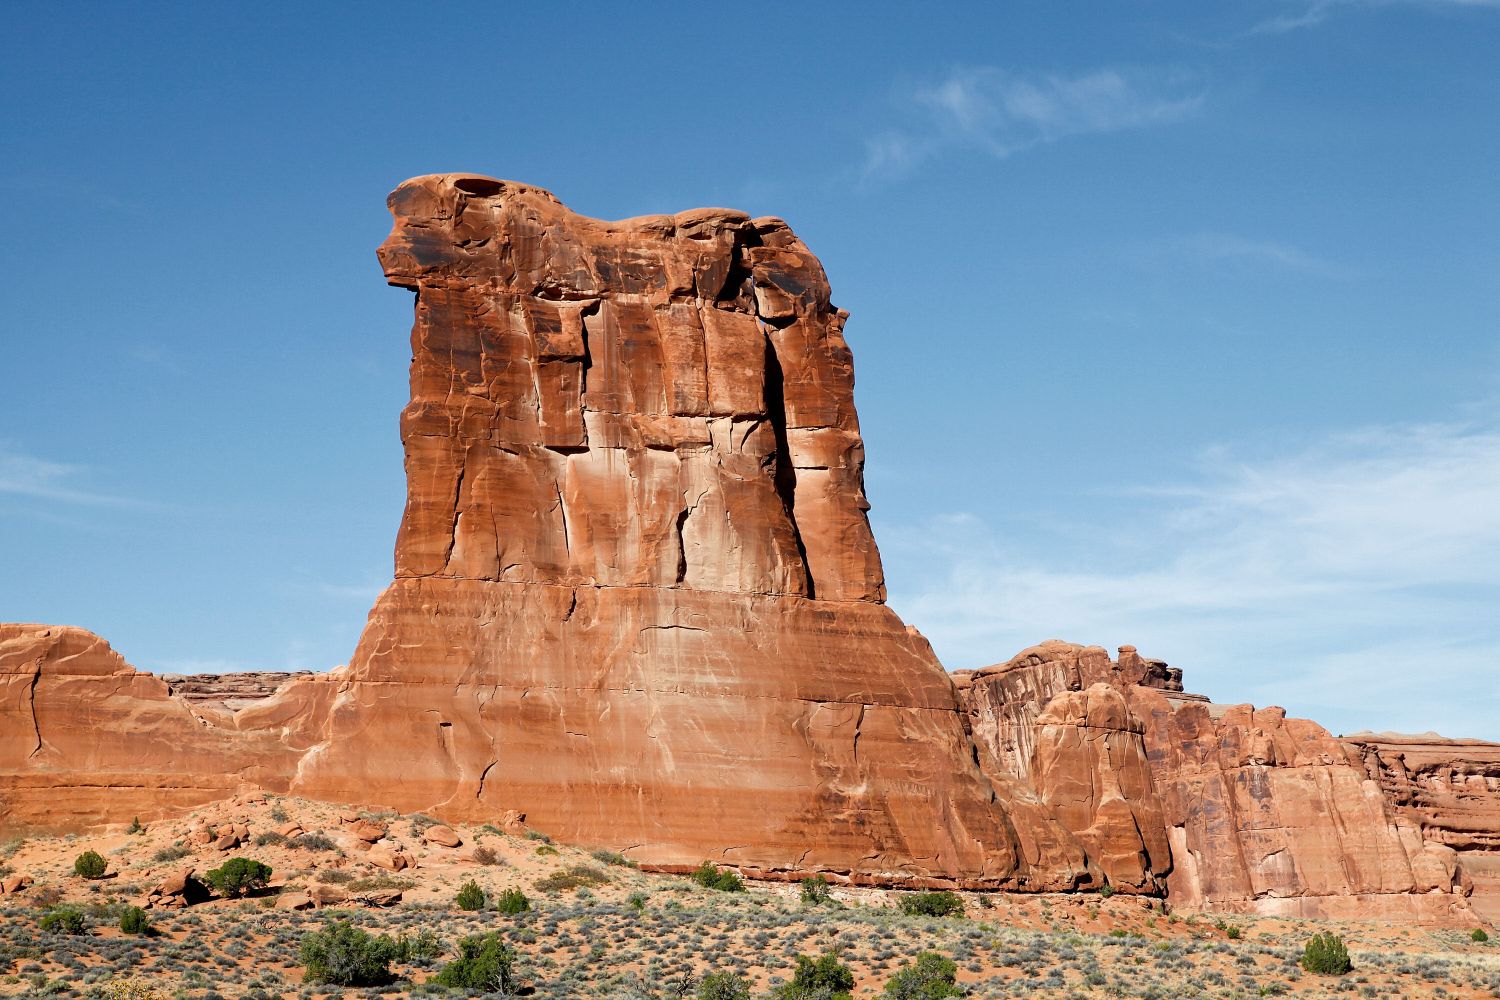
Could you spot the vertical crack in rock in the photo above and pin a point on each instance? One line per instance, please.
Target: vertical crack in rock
(785, 476)
(36, 726)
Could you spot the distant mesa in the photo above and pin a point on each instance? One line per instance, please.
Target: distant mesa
(637, 600)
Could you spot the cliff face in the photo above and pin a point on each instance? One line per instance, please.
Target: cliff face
(87, 740)
(636, 596)
(1449, 790)
(1245, 809)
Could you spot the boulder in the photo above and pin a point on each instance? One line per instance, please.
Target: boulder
(295, 901)
(367, 831)
(443, 836)
(389, 858)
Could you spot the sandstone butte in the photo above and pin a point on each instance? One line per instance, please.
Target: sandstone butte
(638, 603)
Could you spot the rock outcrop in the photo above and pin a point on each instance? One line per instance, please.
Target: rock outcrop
(86, 740)
(1449, 790)
(1245, 809)
(637, 598)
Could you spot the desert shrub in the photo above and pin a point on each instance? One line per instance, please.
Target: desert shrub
(470, 896)
(335, 876)
(484, 963)
(931, 904)
(546, 850)
(134, 988)
(1106, 891)
(313, 842)
(1326, 955)
(135, 826)
(375, 883)
(710, 876)
(278, 814)
(930, 977)
(422, 945)
(572, 877)
(637, 901)
(538, 835)
(723, 986)
(613, 858)
(485, 855)
(239, 877)
(512, 901)
(1479, 935)
(90, 864)
(64, 920)
(269, 839)
(344, 955)
(172, 853)
(825, 978)
(135, 921)
(1233, 932)
(815, 891)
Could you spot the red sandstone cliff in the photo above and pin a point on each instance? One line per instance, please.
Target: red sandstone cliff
(1242, 809)
(636, 597)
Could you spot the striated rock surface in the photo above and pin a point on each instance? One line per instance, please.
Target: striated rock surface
(232, 691)
(636, 596)
(1259, 813)
(1450, 791)
(85, 739)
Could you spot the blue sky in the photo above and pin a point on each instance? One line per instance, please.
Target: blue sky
(1175, 323)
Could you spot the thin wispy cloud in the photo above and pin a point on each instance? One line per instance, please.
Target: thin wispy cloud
(1000, 113)
(1344, 580)
(1228, 249)
(26, 475)
(1316, 12)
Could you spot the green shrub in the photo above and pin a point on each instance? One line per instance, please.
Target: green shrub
(613, 858)
(637, 901)
(572, 877)
(931, 904)
(1233, 932)
(470, 896)
(815, 891)
(1326, 955)
(312, 842)
(344, 955)
(422, 945)
(710, 876)
(135, 921)
(1106, 891)
(239, 877)
(172, 853)
(513, 901)
(1479, 935)
(824, 979)
(90, 864)
(135, 826)
(930, 977)
(64, 920)
(484, 963)
(723, 986)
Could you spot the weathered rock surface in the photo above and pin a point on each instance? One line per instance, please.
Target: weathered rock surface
(230, 692)
(1261, 813)
(1449, 790)
(87, 740)
(636, 597)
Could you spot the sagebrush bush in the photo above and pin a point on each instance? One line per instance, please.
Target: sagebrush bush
(90, 865)
(135, 921)
(1479, 935)
(313, 842)
(239, 877)
(485, 962)
(344, 955)
(572, 877)
(1326, 955)
(485, 855)
(931, 904)
(711, 876)
(929, 977)
(470, 896)
(512, 901)
(613, 858)
(414, 947)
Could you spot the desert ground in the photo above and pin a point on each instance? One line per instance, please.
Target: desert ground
(597, 926)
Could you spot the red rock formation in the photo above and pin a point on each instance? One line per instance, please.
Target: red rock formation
(636, 597)
(1263, 813)
(87, 740)
(1449, 790)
